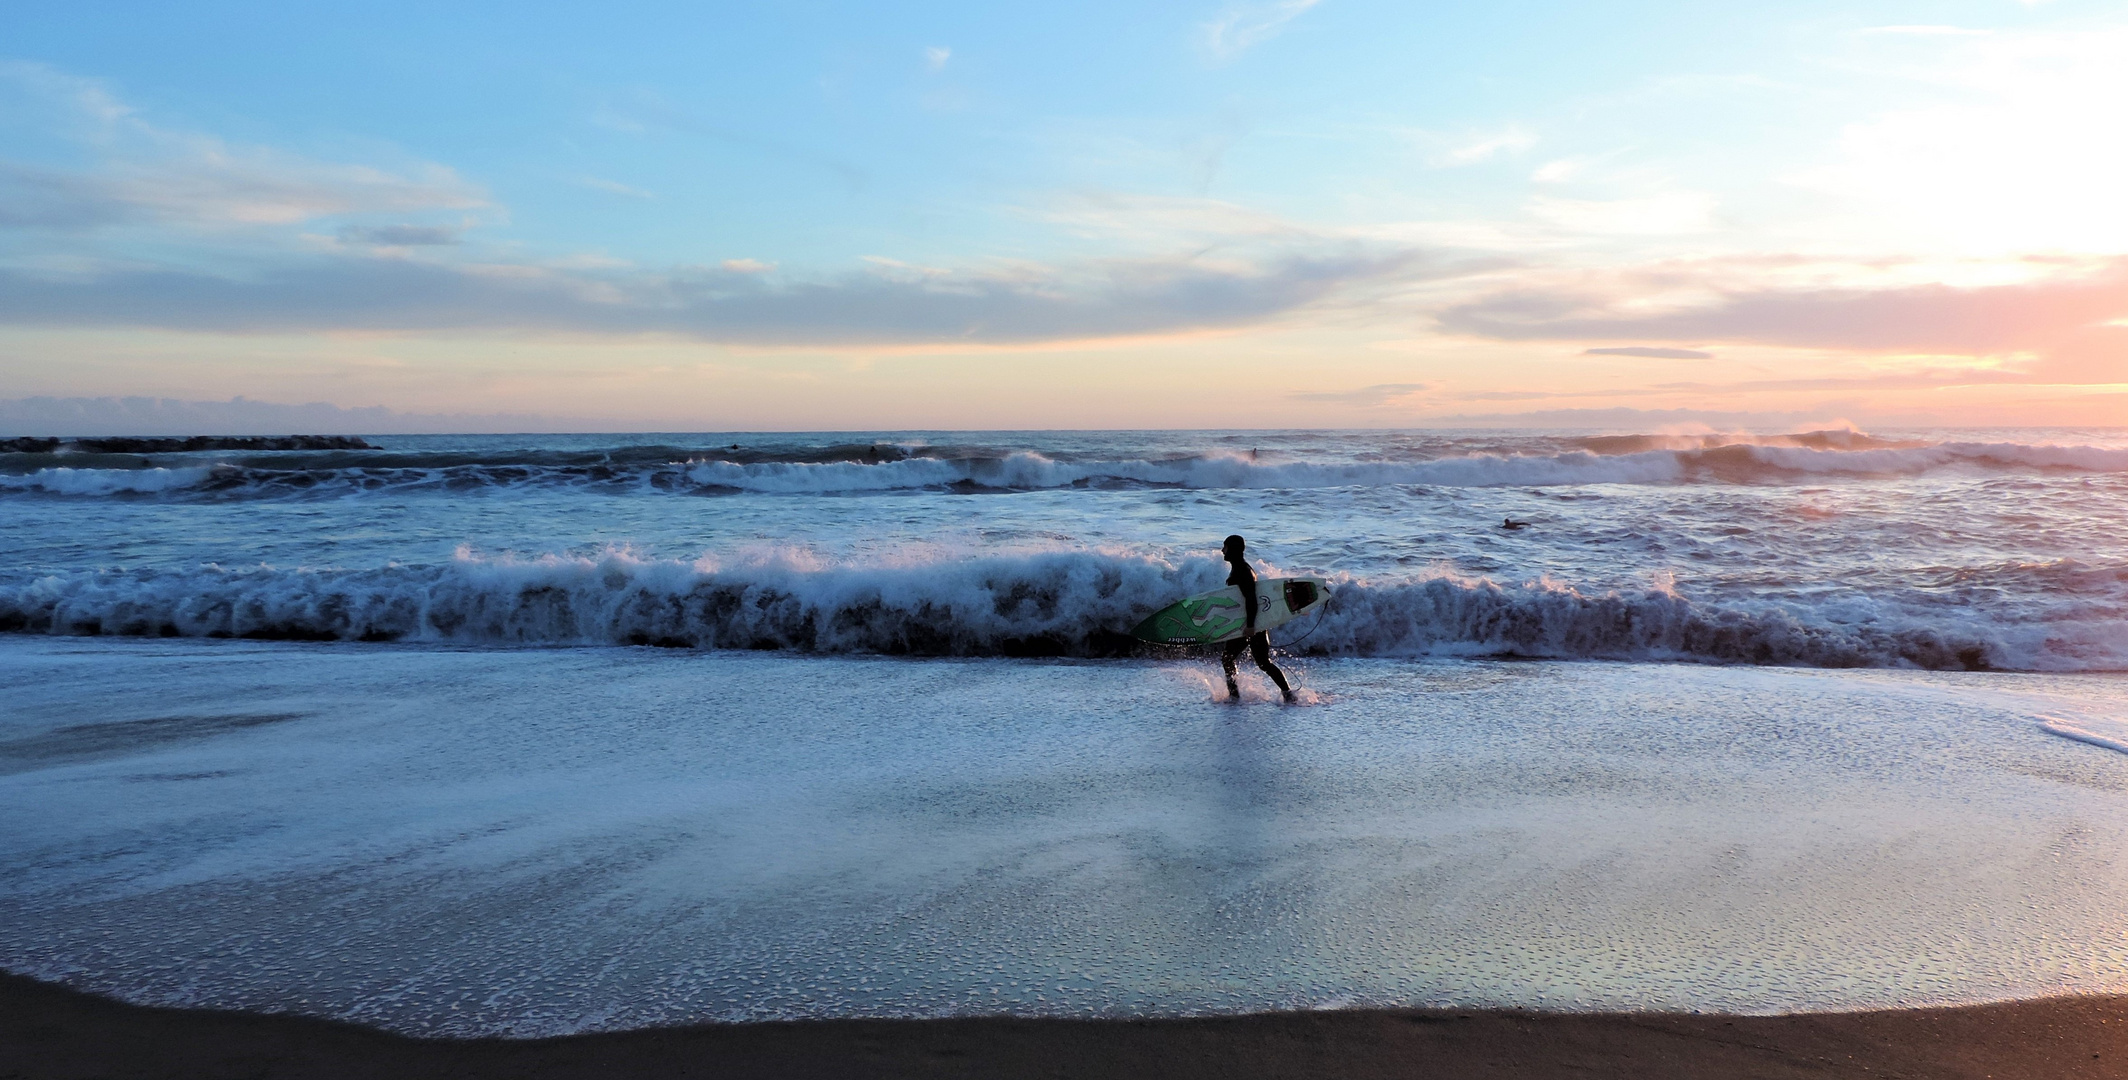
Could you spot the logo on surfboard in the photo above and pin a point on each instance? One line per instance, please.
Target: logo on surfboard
(1199, 620)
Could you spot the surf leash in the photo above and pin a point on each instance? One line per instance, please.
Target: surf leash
(1319, 617)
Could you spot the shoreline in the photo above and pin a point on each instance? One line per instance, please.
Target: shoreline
(51, 1032)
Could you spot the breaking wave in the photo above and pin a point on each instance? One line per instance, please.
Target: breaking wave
(1059, 603)
(1639, 459)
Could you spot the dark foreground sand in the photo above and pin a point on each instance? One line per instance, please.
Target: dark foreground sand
(47, 1031)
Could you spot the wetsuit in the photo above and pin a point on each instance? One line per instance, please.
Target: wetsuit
(1258, 643)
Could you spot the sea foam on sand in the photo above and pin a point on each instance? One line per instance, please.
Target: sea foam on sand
(469, 840)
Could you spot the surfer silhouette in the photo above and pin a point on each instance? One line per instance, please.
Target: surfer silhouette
(1257, 642)
(1511, 524)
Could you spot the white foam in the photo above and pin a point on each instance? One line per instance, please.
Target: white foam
(1026, 470)
(2106, 731)
(1064, 601)
(1732, 463)
(66, 481)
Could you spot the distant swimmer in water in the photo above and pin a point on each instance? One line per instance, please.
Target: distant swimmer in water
(1257, 642)
(1511, 524)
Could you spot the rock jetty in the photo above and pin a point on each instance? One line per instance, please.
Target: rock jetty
(127, 445)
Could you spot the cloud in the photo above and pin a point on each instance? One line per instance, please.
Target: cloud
(613, 187)
(1378, 394)
(1486, 148)
(33, 198)
(1214, 268)
(209, 186)
(2055, 328)
(1929, 379)
(1244, 27)
(1514, 395)
(1559, 171)
(1656, 215)
(899, 305)
(1166, 220)
(1635, 420)
(129, 172)
(1926, 31)
(935, 57)
(1650, 353)
(401, 235)
(87, 100)
(85, 416)
(1921, 318)
(2011, 143)
(1934, 378)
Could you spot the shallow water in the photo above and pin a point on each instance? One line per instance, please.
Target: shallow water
(489, 840)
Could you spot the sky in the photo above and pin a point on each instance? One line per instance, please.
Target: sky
(1295, 213)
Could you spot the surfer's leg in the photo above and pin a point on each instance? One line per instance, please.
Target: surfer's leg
(1226, 660)
(1260, 647)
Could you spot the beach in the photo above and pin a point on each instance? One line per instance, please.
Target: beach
(1242, 538)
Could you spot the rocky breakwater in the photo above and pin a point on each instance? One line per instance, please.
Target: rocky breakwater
(132, 445)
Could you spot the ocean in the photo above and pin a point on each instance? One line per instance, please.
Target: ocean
(537, 734)
(1946, 550)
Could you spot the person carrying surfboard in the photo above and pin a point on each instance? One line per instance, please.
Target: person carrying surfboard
(1256, 641)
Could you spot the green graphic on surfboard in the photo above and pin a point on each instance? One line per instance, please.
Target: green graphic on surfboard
(1212, 617)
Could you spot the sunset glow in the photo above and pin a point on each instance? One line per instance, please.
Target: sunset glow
(1336, 214)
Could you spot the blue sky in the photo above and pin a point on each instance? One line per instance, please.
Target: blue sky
(817, 215)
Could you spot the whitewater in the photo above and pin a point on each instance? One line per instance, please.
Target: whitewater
(1939, 550)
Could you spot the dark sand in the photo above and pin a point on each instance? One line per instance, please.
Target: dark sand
(48, 1031)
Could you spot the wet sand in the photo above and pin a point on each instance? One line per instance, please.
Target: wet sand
(51, 1032)
(474, 843)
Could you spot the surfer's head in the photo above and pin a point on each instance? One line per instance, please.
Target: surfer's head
(1233, 547)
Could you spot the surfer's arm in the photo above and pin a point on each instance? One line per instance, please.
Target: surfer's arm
(1248, 600)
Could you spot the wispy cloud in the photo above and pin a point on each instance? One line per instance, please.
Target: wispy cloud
(1559, 171)
(1246, 26)
(140, 173)
(613, 187)
(1649, 352)
(935, 57)
(1210, 266)
(2060, 319)
(88, 99)
(1669, 213)
(401, 235)
(1638, 420)
(200, 183)
(1486, 148)
(1926, 31)
(898, 304)
(76, 416)
(1925, 379)
(1378, 394)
